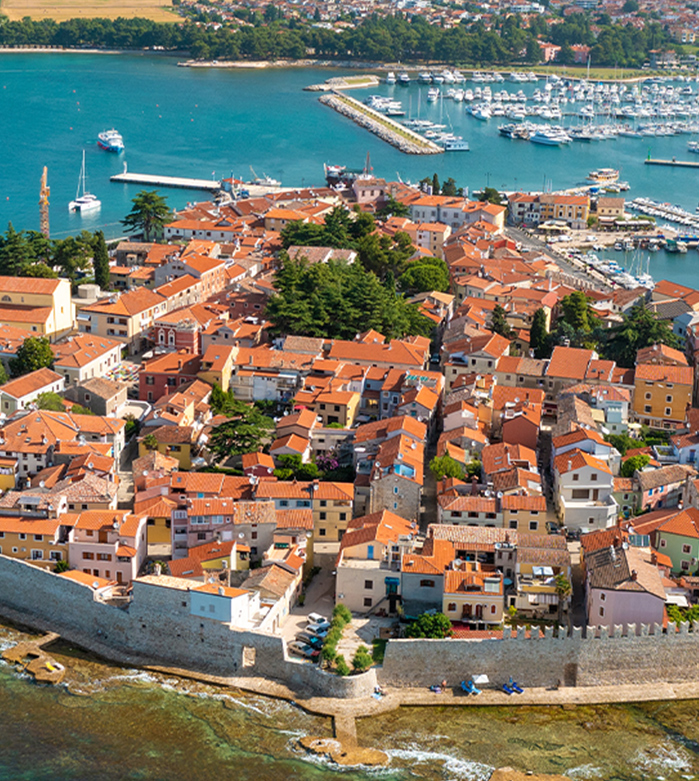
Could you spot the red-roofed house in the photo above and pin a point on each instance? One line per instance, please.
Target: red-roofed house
(368, 565)
(583, 488)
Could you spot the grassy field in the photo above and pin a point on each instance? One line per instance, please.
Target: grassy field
(60, 10)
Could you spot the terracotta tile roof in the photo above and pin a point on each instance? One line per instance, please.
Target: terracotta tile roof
(624, 569)
(298, 518)
(251, 460)
(579, 435)
(224, 591)
(47, 526)
(569, 363)
(100, 519)
(86, 579)
(577, 459)
(273, 579)
(502, 456)
(503, 396)
(661, 352)
(384, 527)
(292, 442)
(380, 429)
(683, 524)
(665, 475)
(30, 383)
(435, 557)
(515, 478)
(515, 502)
(473, 504)
(678, 375)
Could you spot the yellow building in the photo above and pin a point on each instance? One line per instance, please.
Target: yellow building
(173, 441)
(217, 365)
(127, 318)
(473, 596)
(39, 306)
(8, 473)
(337, 407)
(571, 209)
(524, 513)
(43, 541)
(159, 516)
(662, 394)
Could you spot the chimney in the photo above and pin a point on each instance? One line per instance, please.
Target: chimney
(221, 591)
(570, 465)
(474, 486)
(634, 574)
(653, 558)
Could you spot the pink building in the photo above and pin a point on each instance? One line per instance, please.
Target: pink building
(108, 544)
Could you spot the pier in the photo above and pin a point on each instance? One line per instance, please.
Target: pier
(181, 182)
(673, 162)
(386, 129)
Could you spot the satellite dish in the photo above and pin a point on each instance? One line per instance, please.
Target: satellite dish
(95, 584)
(456, 564)
(241, 536)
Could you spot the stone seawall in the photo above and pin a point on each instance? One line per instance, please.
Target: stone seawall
(385, 128)
(157, 627)
(547, 661)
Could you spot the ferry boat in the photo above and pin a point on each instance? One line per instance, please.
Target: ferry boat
(111, 141)
(85, 202)
(603, 176)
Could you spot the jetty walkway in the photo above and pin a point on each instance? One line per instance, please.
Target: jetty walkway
(384, 127)
(673, 163)
(181, 182)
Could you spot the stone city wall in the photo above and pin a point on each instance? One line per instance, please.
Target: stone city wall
(542, 660)
(157, 628)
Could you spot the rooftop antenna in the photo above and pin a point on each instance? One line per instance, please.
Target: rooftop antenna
(44, 203)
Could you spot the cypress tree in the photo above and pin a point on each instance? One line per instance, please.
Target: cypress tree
(538, 335)
(100, 261)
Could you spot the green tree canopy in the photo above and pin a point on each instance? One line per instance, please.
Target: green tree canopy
(149, 214)
(631, 465)
(446, 466)
(490, 195)
(243, 433)
(435, 626)
(639, 328)
(336, 300)
(34, 353)
(499, 322)
(393, 208)
(424, 276)
(50, 401)
(539, 335)
(100, 261)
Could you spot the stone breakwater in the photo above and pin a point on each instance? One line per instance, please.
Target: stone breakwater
(385, 128)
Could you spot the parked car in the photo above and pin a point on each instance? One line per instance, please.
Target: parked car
(316, 626)
(316, 618)
(301, 649)
(312, 640)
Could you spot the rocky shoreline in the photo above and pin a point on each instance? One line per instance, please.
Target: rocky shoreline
(404, 140)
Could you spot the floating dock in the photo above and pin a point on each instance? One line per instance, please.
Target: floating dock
(384, 127)
(673, 162)
(181, 182)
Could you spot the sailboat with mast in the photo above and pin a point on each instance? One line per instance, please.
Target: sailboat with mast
(84, 201)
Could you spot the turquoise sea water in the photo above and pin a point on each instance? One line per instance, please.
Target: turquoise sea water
(110, 723)
(200, 122)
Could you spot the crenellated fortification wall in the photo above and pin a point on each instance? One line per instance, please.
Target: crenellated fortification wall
(600, 658)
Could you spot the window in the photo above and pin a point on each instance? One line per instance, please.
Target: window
(321, 532)
(323, 516)
(668, 412)
(492, 609)
(451, 607)
(601, 611)
(668, 399)
(427, 584)
(150, 380)
(686, 549)
(533, 526)
(648, 396)
(343, 516)
(593, 477)
(576, 477)
(104, 557)
(580, 493)
(684, 565)
(23, 536)
(323, 502)
(87, 555)
(602, 597)
(663, 543)
(38, 537)
(369, 584)
(367, 601)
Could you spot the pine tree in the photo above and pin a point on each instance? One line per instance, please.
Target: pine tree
(100, 261)
(539, 335)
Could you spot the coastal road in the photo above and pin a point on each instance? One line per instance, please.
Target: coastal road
(566, 267)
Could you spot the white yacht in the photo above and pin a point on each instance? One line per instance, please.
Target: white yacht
(391, 78)
(84, 201)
